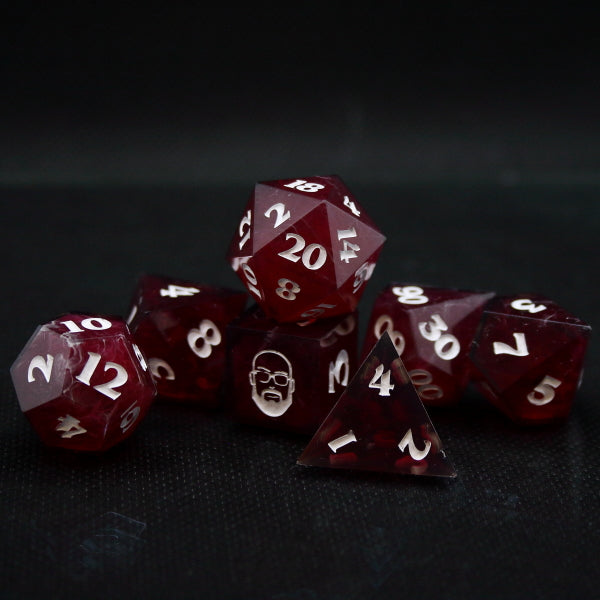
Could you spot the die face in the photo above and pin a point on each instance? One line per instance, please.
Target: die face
(182, 332)
(304, 246)
(79, 389)
(286, 376)
(379, 423)
(528, 358)
(432, 329)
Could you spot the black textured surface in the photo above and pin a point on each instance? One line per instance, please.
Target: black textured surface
(194, 505)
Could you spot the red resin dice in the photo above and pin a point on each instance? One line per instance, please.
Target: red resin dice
(180, 326)
(432, 329)
(286, 376)
(82, 382)
(528, 357)
(379, 423)
(304, 248)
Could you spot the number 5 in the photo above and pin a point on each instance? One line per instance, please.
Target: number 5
(546, 389)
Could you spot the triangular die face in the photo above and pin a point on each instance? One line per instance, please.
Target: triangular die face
(379, 423)
(352, 243)
(277, 209)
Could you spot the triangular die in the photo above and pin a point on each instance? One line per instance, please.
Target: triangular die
(379, 423)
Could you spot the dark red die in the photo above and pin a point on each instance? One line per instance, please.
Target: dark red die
(379, 423)
(432, 329)
(286, 376)
(82, 382)
(180, 326)
(528, 357)
(304, 248)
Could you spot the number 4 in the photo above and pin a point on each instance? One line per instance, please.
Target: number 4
(381, 381)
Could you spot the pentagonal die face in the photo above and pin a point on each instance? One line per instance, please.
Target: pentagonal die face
(305, 248)
(287, 376)
(82, 382)
(528, 357)
(180, 327)
(432, 329)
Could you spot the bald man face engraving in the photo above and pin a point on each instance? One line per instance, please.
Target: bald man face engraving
(272, 382)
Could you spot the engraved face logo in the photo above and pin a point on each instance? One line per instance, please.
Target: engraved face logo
(272, 382)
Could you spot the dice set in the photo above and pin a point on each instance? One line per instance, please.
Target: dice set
(304, 249)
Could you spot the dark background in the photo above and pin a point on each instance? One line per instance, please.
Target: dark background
(130, 140)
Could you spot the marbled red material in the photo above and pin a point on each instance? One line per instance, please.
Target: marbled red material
(180, 326)
(379, 423)
(286, 376)
(432, 329)
(82, 382)
(305, 248)
(528, 357)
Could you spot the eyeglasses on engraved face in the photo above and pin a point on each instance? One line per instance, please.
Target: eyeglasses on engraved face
(262, 375)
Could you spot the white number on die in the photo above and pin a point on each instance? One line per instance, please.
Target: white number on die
(414, 452)
(308, 254)
(41, 364)
(246, 222)
(281, 214)
(339, 371)
(175, 291)
(91, 324)
(410, 294)
(362, 274)
(446, 345)
(544, 392)
(304, 186)
(349, 249)
(519, 350)
(108, 388)
(385, 323)
(210, 335)
(287, 289)
(381, 381)
(528, 305)
(351, 206)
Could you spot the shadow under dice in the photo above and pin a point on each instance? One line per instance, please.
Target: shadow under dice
(432, 329)
(180, 326)
(305, 248)
(82, 382)
(287, 376)
(528, 357)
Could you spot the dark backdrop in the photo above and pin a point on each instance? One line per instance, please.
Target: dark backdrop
(130, 139)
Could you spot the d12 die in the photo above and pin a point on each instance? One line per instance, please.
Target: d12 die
(180, 326)
(286, 376)
(82, 382)
(379, 423)
(432, 329)
(305, 248)
(528, 357)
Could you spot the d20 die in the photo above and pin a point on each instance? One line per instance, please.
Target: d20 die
(432, 329)
(528, 357)
(180, 326)
(82, 382)
(379, 423)
(286, 376)
(304, 248)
